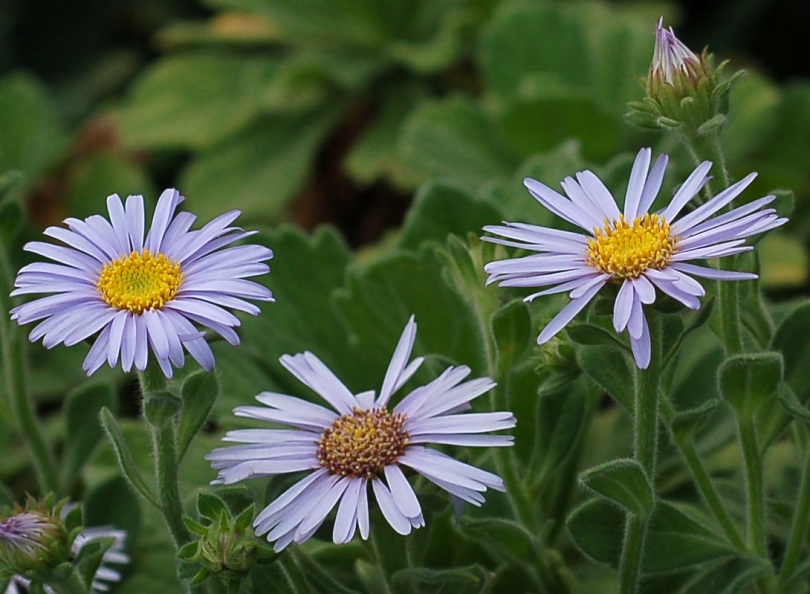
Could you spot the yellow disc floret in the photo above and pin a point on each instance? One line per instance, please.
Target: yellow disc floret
(362, 443)
(626, 250)
(139, 281)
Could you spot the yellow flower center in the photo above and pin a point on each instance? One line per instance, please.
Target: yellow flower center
(139, 281)
(624, 250)
(362, 443)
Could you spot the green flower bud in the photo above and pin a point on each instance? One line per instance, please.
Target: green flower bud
(227, 547)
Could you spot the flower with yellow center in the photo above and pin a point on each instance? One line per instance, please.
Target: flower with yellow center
(643, 251)
(139, 281)
(625, 250)
(141, 292)
(360, 443)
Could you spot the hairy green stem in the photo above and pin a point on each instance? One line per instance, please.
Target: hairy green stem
(163, 441)
(17, 388)
(798, 530)
(755, 486)
(709, 493)
(645, 446)
(164, 445)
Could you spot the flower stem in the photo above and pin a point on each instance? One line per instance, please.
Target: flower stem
(709, 493)
(710, 148)
(645, 446)
(164, 444)
(755, 486)
(163, 440)
(798, 531)
(17, 387)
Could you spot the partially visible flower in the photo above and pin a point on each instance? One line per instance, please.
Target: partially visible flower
(361, 443)
(140, 292)
(639, 250)
(105, 575)
(673, 63)
(31, 540)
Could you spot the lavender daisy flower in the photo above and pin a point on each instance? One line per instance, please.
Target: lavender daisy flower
(361, 442)
(141, 291)
(642, 251)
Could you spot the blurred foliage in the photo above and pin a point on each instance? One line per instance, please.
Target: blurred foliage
(311, 111)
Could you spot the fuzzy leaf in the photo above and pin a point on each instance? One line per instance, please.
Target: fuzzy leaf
(199, 393)
(124, 457)
(623, 482)
(748, 380)
(82, 407)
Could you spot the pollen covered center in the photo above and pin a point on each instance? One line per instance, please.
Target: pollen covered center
(626, 250)
(139, 281)
(363, 442)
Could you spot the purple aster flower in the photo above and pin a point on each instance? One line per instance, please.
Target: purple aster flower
(141, 291)
(361, 443)
(642, 251)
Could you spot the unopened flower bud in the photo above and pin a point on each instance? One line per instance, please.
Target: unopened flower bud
(32, 541)
(683, 91)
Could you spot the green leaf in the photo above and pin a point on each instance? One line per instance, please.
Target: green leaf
(379, 299)
(199, 393)
(507, 539)
(592, 335)
(374, 155)
(461, 580)
(95, 177)
(90, 557)
(210, 506)
(792, 405)
(306, 271)
(124, 457)
(275, 152)
(623, 482)
(195, 100)
(677, 537)
(596, 526)
(555, 117)
(791, 341)
(590, 46)
(160, 408)
(33, 138)
(440, 209)
(561, 417)
(281, 577)
(749, 380)
(11, 214)
(727, 577)
(455, 139)
(512, 330)
(319, 577)
(611, 369)
(686, 423)
(82, 426)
